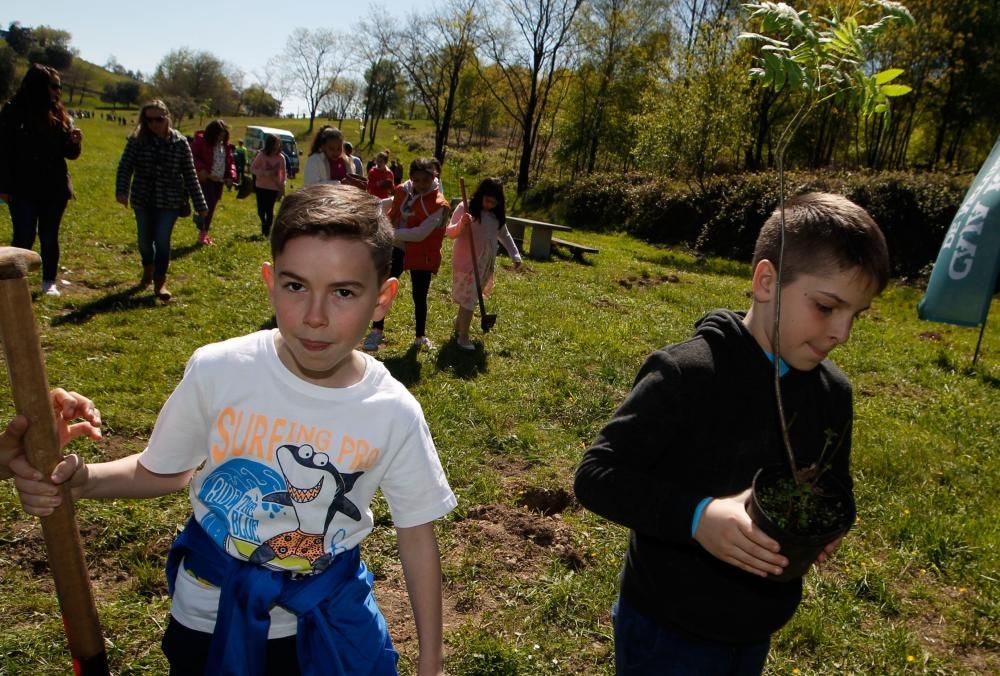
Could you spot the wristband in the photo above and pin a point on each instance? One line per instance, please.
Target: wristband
(698, 511)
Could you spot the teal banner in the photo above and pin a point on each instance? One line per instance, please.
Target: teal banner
(965, 274)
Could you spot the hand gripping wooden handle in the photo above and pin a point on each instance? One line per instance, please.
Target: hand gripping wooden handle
(26, 368)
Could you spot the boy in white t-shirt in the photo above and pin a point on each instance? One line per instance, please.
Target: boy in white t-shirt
(284, 436)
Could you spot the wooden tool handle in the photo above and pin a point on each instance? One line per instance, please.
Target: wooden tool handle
(26, 368)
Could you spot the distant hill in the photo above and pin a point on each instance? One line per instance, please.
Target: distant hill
(83, 83)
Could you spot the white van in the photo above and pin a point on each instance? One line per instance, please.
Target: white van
(254, 142)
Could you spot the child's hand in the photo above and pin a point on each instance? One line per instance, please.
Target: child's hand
(466, 220)
(828, 550)
(727, 533)
(68, 406)
(40, 496)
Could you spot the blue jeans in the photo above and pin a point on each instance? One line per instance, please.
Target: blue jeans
(155, 227)
(644, 648)
(41, 217)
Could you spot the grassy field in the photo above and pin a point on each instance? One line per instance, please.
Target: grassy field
(529, 576)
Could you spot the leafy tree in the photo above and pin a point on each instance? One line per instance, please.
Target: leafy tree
(259, 103)
(621, 42)
(54, 56)
(184, 76)
(382, 82)
(8, 65)
(693, 124)
(344, 99)
(46, 35)
(531, 66)
(477, 110)
(19, 38)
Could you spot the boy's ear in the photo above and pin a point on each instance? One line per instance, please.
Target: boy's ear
(267, 274)
(386, 294)
(765, 277)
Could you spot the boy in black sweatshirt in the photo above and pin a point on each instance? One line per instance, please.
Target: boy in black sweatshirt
(675, 462)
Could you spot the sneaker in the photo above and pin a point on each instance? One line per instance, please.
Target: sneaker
(465, 344)
(50, 289)
(424, 343)
(373, 340)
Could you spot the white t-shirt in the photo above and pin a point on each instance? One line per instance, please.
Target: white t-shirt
(290, 468)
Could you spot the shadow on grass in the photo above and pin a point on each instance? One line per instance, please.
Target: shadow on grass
(406, 368)
(465, 364)
(699, 264)
(946, 362)
(115, 302)
(561, 255)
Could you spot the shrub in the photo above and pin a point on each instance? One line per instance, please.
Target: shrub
(723, 217)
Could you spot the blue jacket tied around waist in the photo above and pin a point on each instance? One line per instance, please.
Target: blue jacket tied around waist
(340, 628)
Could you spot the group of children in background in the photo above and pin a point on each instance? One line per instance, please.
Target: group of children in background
(416, 209)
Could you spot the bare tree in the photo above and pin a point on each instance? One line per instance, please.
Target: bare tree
(313, 60)
(530, 65)
(237, 78)
(432, 50)
(272, 80)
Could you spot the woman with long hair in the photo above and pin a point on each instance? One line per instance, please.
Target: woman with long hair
(155, 175)
(213, 160)
(37, 136)
(327, 162)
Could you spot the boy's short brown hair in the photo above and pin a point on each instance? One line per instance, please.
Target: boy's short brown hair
(326, 210)
(824, 231)
(423, 165)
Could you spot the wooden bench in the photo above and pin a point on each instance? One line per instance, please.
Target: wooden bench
(541, 234)
(576, 249)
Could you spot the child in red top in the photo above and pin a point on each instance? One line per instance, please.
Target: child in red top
(214, 163)
(417, 214)
(380, 178)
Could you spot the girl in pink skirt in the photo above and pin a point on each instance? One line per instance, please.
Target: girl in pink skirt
(486, 219)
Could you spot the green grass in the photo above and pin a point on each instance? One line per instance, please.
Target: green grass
(913, 589)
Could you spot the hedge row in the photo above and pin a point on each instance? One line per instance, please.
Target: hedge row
(723, 217)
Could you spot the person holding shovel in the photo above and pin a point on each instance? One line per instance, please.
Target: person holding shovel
(675, 462)
(68, 406)
(476, 228)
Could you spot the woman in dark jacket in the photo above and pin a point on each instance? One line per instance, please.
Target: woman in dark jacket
(37, 136)
(155, 175)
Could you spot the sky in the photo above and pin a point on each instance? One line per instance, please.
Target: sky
(139, 35)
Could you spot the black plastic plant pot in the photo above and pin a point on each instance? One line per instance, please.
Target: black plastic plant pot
(800, 542)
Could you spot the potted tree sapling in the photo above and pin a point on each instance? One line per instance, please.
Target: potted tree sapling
(804, 508)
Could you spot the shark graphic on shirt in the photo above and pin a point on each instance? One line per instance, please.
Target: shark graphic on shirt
(311, 480)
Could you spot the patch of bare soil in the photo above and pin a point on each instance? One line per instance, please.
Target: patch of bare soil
(605, 303)
(646, 280)
(494, 548)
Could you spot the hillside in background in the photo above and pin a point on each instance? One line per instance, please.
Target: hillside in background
(83, 82)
